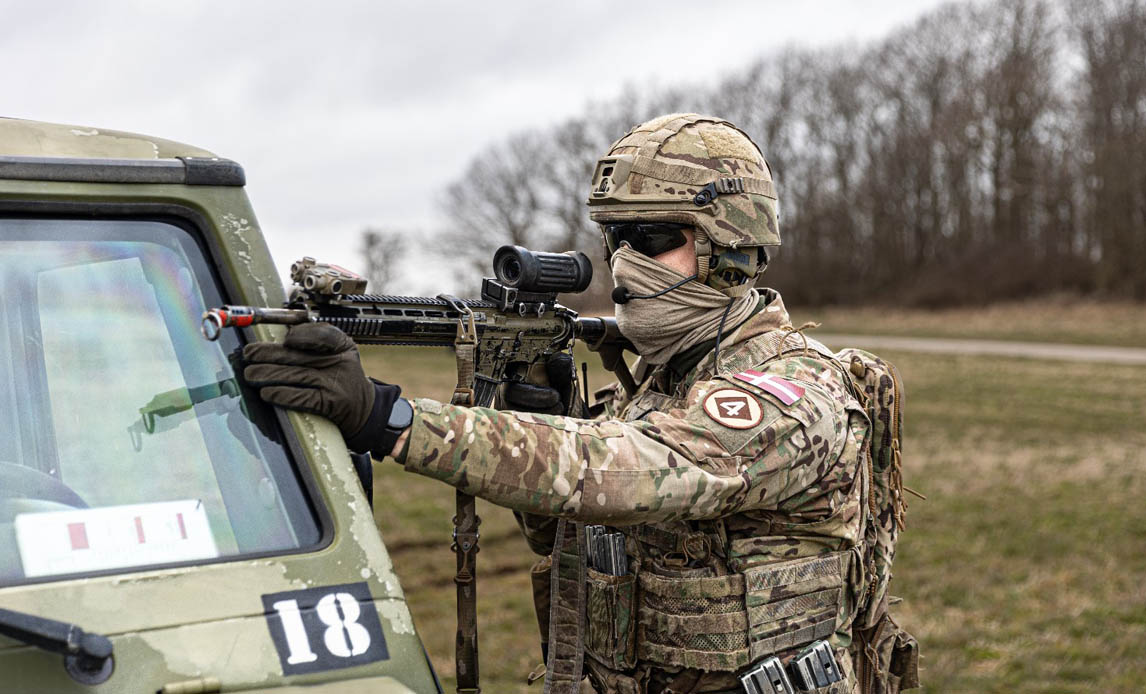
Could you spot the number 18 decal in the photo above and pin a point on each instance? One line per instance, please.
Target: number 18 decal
(325, 628)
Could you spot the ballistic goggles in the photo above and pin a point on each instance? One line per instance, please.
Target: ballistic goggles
(647, 238)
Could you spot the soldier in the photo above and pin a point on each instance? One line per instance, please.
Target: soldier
(733, 473)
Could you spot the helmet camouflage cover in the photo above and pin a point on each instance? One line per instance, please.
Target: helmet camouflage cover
(697, 170)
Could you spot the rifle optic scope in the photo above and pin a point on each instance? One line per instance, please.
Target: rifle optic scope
(534, 271)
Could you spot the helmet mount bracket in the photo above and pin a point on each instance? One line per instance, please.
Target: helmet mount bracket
(703, 254)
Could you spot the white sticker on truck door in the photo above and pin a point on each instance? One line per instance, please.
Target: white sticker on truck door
(113, 537)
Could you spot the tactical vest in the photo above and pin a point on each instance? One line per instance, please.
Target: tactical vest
(702, 600)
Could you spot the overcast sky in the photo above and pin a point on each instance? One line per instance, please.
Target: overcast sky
(347, 114)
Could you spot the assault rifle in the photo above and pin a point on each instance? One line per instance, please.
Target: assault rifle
(516, 324)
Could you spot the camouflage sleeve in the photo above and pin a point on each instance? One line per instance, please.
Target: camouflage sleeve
(674, 464)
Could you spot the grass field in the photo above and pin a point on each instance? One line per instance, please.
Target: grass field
(1023, 571)
(1062, 319)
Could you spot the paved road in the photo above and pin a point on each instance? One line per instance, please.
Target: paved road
(1002, 348)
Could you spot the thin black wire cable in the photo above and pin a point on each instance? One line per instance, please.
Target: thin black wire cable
(666, 290)
(719, 332)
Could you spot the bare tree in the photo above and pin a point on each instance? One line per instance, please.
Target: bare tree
(989, 150)
(1112, 34)
(497, 201)
(383, 253)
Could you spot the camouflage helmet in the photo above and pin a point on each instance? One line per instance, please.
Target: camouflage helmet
(697, 170)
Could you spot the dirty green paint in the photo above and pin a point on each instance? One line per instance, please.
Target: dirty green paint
(175, 625)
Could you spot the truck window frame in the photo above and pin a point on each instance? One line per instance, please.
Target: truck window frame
(195, 225)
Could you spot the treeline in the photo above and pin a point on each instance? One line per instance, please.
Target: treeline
(988, 151)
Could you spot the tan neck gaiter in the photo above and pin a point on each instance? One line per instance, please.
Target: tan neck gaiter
(671, 323)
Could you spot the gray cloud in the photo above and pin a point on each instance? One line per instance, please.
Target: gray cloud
(354, 113)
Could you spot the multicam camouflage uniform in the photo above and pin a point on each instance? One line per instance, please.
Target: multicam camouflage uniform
(743, 531)
(739, 486)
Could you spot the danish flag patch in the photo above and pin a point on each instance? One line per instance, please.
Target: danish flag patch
(787, 391)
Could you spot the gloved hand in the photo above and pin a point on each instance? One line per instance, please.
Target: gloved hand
(317, 370)
(555, 398)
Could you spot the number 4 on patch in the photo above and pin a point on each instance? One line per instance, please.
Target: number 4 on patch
(325, 628)
(732, 409)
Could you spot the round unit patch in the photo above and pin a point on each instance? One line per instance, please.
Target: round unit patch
(733, 408)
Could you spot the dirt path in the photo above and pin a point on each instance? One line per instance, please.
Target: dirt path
(1000, 348)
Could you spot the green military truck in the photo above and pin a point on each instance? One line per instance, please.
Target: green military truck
(160, 529)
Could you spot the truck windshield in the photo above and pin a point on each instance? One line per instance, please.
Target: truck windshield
(125, 439)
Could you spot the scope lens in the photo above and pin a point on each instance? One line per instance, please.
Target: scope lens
(510, 270)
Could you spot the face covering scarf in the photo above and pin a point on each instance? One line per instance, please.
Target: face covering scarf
(681, 318)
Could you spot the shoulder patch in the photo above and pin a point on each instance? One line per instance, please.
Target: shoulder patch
(787, 391)
(733, 408)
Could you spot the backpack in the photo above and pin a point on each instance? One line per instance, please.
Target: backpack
(880, 390)
(887, 657)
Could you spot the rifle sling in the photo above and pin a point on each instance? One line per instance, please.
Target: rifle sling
(465, 546)
(466, 522)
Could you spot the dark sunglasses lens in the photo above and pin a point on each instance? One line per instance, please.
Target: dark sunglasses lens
(647, 239)
(659, 240)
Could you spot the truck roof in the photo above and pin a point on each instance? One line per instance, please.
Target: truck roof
(27, 138)
(37, 151)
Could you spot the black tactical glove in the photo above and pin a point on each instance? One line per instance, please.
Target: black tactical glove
(317, 370)
(555, 398)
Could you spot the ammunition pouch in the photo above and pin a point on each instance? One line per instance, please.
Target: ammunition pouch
(773, 676)
(793, 603)
(841, 687)
(887, 658)
(610, 629)
(693, 621)
(723, 623)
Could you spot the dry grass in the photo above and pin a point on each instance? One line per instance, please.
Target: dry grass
(1021, 573)
(1056, 319)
